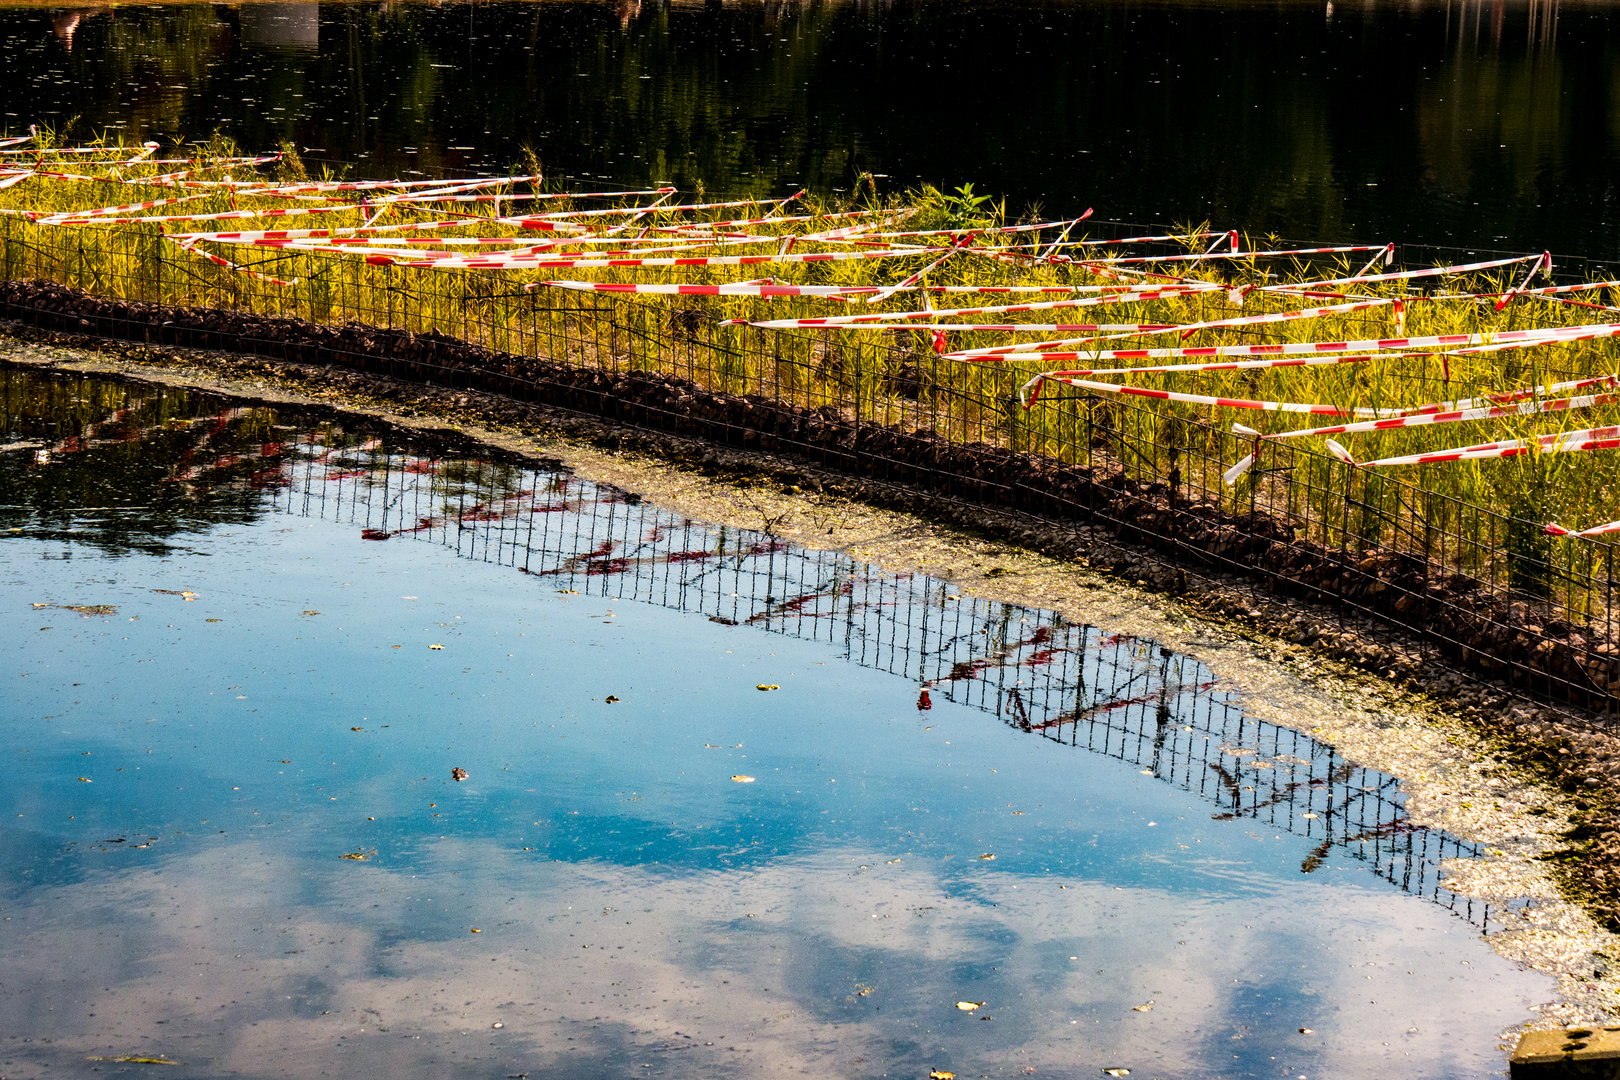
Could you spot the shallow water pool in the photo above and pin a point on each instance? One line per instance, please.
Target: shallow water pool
(729, 806)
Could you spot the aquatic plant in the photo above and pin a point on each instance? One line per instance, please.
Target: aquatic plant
(862, 316)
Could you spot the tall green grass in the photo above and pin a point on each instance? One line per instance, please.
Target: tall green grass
(894, 377)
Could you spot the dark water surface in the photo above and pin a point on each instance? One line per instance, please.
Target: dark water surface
(1430, 122)
(246, 648)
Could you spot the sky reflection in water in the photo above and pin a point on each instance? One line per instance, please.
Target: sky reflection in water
(265, 698)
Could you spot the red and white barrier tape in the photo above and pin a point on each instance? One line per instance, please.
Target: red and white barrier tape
(1422, 419)
(1040, 350)
(741, 288)
(1410, 275)
(889, 291)
(1209, 399)
(294, 234)
(221, 261)
(878, 322)
(1156, 293)
(107, 214)
(1552, 528)
(1188, 329)
(997, 230)
(1132, 260)
(529, 263)
(146, 148)
(222, 215)
(448, 188)
(528, 221)
(1568, 442)
(1124, 329)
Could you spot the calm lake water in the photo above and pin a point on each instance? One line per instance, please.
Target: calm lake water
(247, 648)
(1428, 122)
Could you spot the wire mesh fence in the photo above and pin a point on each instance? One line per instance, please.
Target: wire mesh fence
(1075, 684)
(144, 468)
(1475, 583)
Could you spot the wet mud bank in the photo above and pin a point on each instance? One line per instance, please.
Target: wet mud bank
(1246, 568)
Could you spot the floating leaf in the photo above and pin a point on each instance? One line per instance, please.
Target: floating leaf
(311, 613)
(987, 856)
(968, 1006)
(767, 686)
(476, 930)
(88, 610)
(358, 856)
(357, 729)
(86, 780)
(1143, 1008)
(47, 605)
(435, 646)
(458, 774)
(138, 1060)
(741, 779)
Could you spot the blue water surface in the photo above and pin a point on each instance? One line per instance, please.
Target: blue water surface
(245, 651)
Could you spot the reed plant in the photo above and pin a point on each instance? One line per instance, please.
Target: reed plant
(895, 377)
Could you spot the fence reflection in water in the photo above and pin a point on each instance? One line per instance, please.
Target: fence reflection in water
(1036, 671)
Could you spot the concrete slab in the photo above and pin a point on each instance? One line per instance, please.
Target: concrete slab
(1563, 1055)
